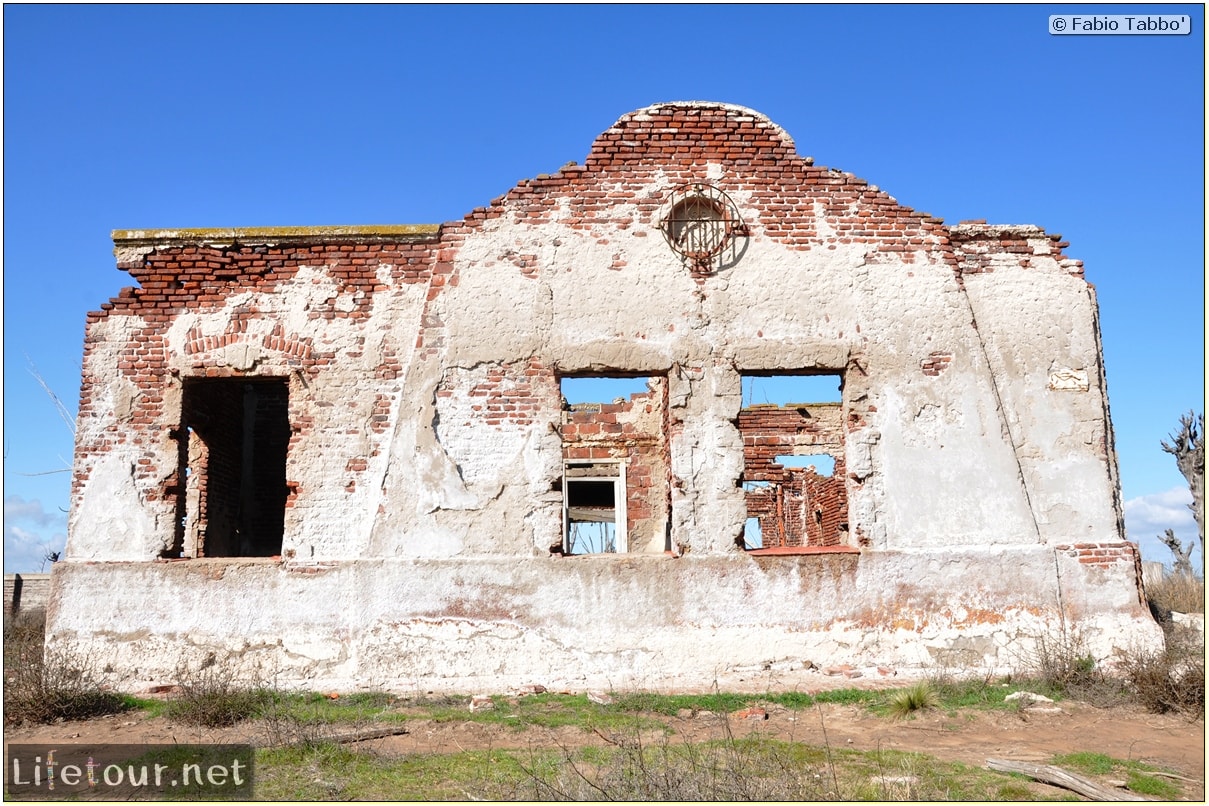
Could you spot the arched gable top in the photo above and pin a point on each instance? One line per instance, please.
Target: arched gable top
(705, 130)
(635, 168)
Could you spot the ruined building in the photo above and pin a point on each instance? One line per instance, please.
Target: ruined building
(344, 453)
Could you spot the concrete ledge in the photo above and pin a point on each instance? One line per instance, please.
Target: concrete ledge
(487, 623)
(372, 233)
(775, 550)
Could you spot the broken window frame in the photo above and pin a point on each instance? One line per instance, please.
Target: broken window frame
(620, 512)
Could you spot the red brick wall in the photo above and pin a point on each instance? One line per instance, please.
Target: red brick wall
(799, 507)
(633, 431)
(1107, 555)
(788, 194)
(1100, 553)
(196, 278)
(513, 393)
(977, 248)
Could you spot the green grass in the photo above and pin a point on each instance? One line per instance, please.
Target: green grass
(1090, 763)
(320, 708)
(672, 704)
(987, 694)
(150, 707)
(549, 710)
(637, 764)
(537, 710)
(1139, 776)
(918, 697)
(843, 696)
(898, 776)
(332, 772)
(1152, 785)
(752, 768)
(640, 761)
(318, 769)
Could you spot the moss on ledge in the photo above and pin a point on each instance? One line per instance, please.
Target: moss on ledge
(373, 233)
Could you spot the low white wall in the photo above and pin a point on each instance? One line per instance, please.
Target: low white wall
(607, 621)
(24, 593)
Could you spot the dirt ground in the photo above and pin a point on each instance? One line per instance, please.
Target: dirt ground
(1030, 735)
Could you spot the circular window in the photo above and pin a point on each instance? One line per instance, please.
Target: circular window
(700, 224)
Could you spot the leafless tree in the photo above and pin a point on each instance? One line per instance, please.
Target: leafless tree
(64, 414)
(51, 557)
(1182, 553)
(1188, 447)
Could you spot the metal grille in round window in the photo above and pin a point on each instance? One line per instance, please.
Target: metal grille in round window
(702, 224)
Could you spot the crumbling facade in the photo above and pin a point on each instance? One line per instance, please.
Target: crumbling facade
(342, 453)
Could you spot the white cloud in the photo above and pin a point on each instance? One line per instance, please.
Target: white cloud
(29, 533)
(1147, 516)
(17, 508)
(25, 551)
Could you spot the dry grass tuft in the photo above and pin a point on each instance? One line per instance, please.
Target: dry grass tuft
(918, 697)
(1180, 593)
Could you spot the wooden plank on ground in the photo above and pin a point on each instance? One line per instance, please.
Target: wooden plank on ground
(1057, 776)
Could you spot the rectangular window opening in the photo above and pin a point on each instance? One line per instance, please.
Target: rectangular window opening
(594, 520)
(753, 537)
(787, 390)
(616, 492)
(793, 476)
(585, 390)
(234, 434)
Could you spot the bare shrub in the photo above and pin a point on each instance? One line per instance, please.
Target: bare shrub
(1172, 679)
(633, 767)
(1061, 664)
(44, 685)
(212, 696)
(1061, 661)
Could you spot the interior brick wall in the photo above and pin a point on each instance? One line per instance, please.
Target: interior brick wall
(635, 432)
(799, 507)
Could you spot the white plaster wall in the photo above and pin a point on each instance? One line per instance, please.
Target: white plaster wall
(336, 508)
(484, 453)
(108, 519)
(939, 451)
(946, 470)
(467, 625)
(1034, 321)
(431, 569)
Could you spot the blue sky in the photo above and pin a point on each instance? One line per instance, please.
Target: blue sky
(225, 115)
